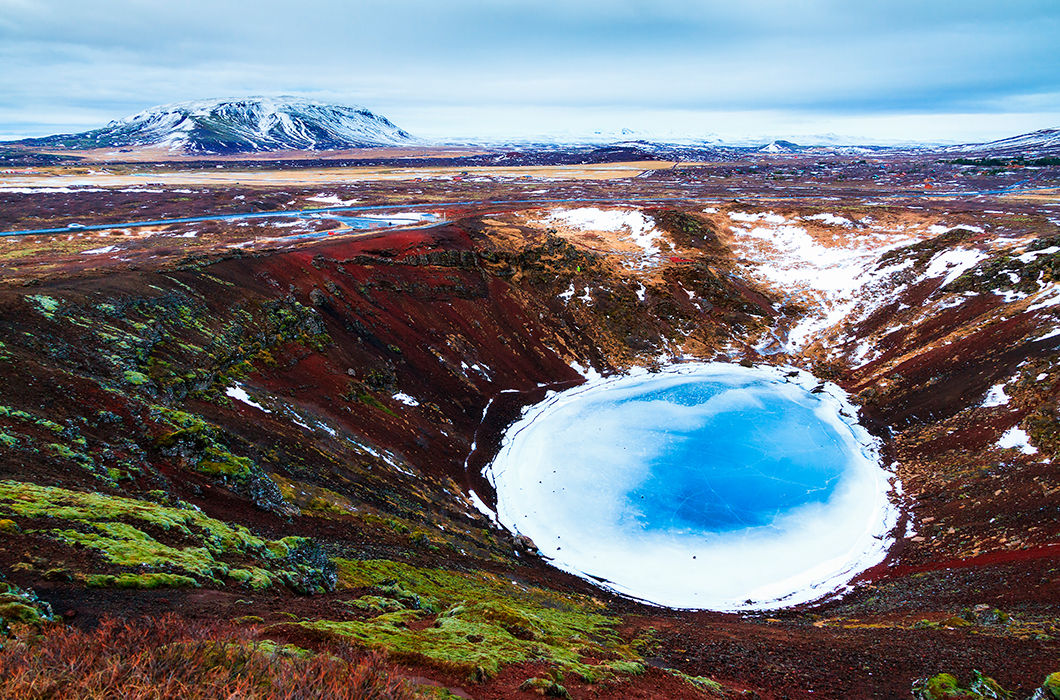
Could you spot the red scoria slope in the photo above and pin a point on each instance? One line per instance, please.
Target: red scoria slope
(371, 362)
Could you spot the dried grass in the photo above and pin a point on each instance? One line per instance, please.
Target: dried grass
(174, 658)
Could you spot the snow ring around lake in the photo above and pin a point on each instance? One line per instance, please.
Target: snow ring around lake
(704, 486)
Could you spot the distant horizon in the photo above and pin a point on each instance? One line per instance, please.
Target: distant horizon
(1019, 124)
(898, 72)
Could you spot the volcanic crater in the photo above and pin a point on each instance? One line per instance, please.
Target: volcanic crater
(228, 421)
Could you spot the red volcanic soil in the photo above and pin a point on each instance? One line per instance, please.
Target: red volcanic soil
(466, 316)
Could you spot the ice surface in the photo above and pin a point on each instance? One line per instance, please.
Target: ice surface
(708, 486)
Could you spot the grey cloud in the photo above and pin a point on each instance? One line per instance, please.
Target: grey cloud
(821, 56)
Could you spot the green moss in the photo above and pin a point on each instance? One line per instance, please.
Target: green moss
(281, 548)
(13, 611)
(252, 577)
(376, 603)
(46, 305)
(135, 378)
(937, 687)
(210, 456)
(487, 622)
(314, 500)
(26, 417)
(627, 668)
(473, 648)
(73, 455)
(8, 525)
(21, 606)
(220, 462)
(7, 440)
(945, 686)
(390, 523)
(34, 501)
(125, 545)
(105, 524)
(144, 581)
(249, 620)
(544, 686)
(1052, 685)
(701, 682)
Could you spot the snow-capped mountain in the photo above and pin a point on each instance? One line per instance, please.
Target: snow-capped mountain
(1045, 142)
(244, 125)
(781, 146)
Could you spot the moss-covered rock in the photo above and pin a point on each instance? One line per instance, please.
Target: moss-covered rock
(21, 606)
(1050, 688)
(544, 686)
(482, 622)
(945, 686)
(118, 528)
(142, 581)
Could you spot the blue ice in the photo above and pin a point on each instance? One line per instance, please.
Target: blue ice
(738, 468)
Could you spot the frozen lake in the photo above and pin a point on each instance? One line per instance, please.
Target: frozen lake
(710, 486)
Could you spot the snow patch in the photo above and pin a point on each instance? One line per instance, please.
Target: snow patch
(829, 279)
(1031, 255)
(996, 396)
(766, 217)
(953, 263)
(830, 219)
(586, 371)
(406, 399)
(481, 506)
(332, 199)
(641, 229)
(239, 394)
(1049, 297)
(1016, 438)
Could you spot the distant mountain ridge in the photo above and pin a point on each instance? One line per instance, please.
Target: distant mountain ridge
(268, 124)
(1044, 142)
(246, 125)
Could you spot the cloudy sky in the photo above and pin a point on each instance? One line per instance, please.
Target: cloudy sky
(883, 70)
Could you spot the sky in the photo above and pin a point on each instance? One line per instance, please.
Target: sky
(876, 71)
